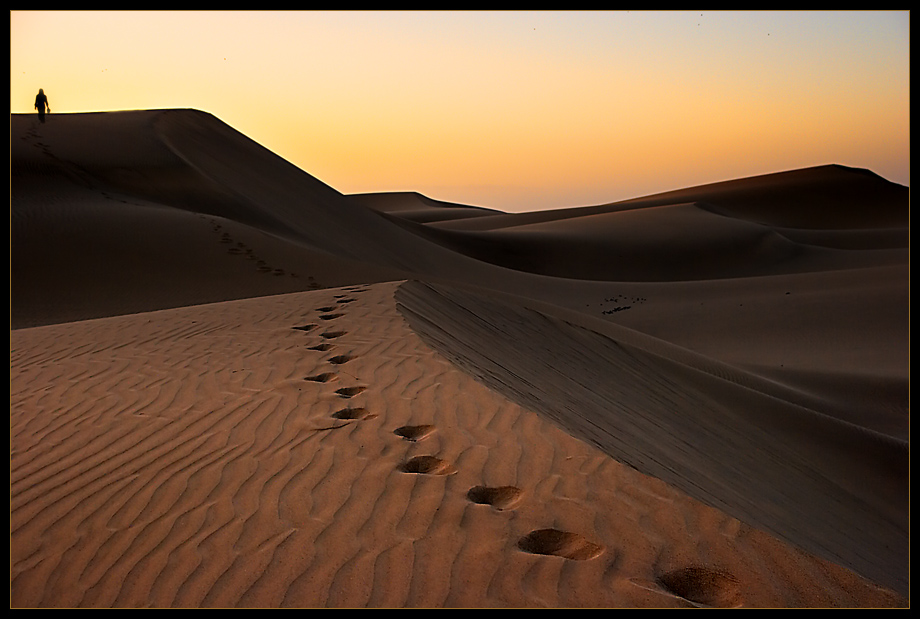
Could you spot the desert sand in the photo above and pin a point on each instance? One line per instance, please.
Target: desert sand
(232, 385)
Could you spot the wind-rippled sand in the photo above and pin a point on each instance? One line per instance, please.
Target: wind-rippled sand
(185, 458)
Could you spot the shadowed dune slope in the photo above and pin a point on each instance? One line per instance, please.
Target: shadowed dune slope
(831, 487)
(831, 197)
(673, 242)
(193, 211)
(413, 206)
(154, 186)
(796, 221)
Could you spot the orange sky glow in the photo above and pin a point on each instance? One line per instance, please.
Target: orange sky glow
(518, 111)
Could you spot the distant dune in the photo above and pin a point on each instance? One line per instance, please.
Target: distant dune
(233, 386)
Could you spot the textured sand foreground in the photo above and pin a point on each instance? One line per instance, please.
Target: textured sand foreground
(232, 385)
(250, 453)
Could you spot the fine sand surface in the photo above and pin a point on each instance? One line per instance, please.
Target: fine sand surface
(233, 386)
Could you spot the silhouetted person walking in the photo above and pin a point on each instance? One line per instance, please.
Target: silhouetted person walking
(41, 104)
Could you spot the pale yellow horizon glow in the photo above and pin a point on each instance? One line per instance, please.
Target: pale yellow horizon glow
(516, 111)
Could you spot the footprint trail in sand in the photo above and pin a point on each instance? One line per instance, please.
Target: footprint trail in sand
(227, 472)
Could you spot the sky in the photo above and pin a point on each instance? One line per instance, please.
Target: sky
(517, 111)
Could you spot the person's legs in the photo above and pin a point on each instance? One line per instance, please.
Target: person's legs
(41, 114)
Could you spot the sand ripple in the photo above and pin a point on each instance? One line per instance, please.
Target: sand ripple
(180, 459)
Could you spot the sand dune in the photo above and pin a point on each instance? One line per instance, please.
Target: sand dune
(233, 386)
(415, 207)
(818, 481)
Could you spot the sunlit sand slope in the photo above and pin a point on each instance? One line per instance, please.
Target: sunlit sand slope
(310, 450)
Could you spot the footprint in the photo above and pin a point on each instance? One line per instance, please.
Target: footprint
(321, 347)
(414, 433)
(348, 392)
(306, 327)
(428, 465)
(333, 334)
(322, 378)
(331, 316)
(353, 413)
(340, 359)
(499, 497)
(560, 544)
(328, 308)
(343, 301)
(704, 585)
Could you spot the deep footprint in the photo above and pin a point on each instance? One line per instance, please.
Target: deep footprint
(321, 347)
(347, 392)
(414, 433)
(560, 544)
(704, 585)
(331, 316)
(353, 413)
(333, 334)
(328, 308)
(340, 359)
(306, 327)
(499, 497)
(428, 465)
(322, 378)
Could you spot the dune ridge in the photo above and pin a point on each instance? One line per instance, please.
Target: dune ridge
(232, 385)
